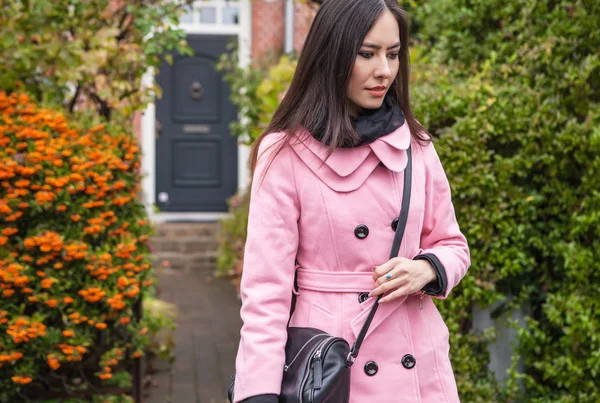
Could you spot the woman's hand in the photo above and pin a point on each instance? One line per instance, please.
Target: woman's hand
(402, 275)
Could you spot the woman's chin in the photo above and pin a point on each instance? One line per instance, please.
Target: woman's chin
(370, 103)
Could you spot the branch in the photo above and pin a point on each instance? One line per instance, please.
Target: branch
(105, 110)
(75, 97)
(127, 94)
(87, 381)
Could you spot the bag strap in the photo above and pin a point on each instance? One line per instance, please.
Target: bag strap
(394, 253)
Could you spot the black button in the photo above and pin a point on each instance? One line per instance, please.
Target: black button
(371, 368)
(409, 361)
(395, 224)
(363, 296)
(361, 231)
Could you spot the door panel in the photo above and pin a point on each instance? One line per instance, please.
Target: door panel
(196, 156)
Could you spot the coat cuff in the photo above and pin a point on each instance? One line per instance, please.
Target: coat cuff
(266, 398)
(440, 284)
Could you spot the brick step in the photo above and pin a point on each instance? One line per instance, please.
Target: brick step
(185, 229)
(186, 261)
(184, 244)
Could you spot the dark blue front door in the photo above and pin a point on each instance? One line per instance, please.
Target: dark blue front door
(196, 156)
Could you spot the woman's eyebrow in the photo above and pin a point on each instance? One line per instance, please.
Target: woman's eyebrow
(377, 47)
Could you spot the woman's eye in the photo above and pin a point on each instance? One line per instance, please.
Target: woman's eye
(393, 56)
(366, 55)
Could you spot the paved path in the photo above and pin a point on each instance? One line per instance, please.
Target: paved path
(206, 339)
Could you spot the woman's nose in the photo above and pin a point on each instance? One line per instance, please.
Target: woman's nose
(383, 69)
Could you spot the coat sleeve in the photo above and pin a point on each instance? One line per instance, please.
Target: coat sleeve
(442, 242)
(268, 274)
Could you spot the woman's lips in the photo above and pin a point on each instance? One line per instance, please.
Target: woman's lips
(376, 91)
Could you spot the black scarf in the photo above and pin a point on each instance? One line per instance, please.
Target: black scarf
(375, 123)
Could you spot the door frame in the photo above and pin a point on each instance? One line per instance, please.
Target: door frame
(147, 130)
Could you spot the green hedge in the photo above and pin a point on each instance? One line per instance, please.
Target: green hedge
(511, 92)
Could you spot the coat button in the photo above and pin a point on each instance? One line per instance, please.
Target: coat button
(371, 368)
(363, 296)
(395, 224)
(361, 231)
(409, 361)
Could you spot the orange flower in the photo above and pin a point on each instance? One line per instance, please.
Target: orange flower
(93, 294)
(68, 300)
(14, 217)
(101, 326)
(17, 356)
(74, 315)
(9, 231)
(40, 273)
(58, 265)
(22, 330)
(23, 183)
(52, 303)
(75, 217)
(68, 333)
(23, 380)
(105, 376)
(137, 354)
(125, 320)
(33, 299)
(47, 282)
(44, 196)
(116, 302)
(3, 240)
(8, 293)
(62, 208)
(53, 362)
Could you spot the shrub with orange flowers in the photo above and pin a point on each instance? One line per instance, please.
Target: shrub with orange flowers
(73, 255)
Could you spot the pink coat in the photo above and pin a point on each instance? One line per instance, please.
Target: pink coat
(307, 209)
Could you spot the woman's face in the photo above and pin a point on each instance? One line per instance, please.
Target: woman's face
(376, 64)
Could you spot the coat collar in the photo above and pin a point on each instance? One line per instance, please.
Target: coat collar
(348, 168)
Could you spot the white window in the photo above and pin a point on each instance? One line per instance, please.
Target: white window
(213, 13)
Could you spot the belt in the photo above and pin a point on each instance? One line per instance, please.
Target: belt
(335, 281)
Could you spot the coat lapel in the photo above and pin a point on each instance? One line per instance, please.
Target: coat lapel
(347, 169)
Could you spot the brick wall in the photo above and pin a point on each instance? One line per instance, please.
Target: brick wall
(304, 14)
(268, 28)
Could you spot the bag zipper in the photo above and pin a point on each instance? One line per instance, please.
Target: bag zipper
(316, 361)
(287, 366)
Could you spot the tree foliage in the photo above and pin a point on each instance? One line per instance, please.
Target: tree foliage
(87, 52)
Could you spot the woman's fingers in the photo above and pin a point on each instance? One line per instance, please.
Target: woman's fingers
(387, 285)
(394, 295)
(382, 270)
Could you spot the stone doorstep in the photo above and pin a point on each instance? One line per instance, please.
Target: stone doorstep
(187, 244)
(177, 229)
(190, 261)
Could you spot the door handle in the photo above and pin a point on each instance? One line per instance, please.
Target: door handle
(196, 91)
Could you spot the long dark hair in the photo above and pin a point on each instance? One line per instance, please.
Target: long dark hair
(316, 98)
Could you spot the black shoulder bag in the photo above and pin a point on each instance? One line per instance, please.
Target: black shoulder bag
(318, 364)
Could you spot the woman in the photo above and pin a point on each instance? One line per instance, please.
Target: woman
(325, 199)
